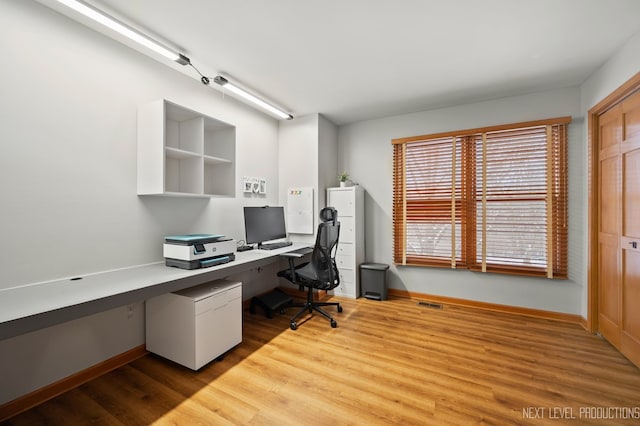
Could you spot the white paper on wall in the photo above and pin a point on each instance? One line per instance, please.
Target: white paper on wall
(300, 210)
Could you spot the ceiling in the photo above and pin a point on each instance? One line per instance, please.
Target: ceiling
(353, 60)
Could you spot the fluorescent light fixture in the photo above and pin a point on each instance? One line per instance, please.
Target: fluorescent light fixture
(101, 17)
(119, 27)
(222, 81)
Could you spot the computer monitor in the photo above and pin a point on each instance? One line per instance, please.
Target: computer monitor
(263, 224)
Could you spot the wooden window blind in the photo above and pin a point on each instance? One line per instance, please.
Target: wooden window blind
(491, 199)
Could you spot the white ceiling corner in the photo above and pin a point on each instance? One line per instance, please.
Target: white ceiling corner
(362, 59)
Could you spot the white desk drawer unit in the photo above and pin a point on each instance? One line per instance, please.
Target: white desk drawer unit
(349, 202)
(194, 326)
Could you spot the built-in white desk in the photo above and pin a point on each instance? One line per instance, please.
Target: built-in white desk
(34, 306)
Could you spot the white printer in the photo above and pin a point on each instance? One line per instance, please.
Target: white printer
(193, 251)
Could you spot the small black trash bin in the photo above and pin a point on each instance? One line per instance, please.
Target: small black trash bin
(373, 280)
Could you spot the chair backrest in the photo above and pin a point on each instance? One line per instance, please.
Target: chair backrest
(323, 258)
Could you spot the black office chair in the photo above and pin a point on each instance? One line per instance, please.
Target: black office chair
(321, 272)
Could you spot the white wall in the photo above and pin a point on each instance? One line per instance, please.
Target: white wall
(68, 179)
(68, 175)
(327, 158)
(36, 359)
(370, 140)
(365, 152)
(308, 158)
(298, 148)
(623, 65)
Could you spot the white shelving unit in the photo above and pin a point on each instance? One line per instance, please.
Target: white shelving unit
(194, 326)
(182, 152)
(349, 202)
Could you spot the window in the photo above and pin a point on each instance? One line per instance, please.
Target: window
(490, 200)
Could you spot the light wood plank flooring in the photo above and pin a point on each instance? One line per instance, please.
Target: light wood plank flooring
(391, 362)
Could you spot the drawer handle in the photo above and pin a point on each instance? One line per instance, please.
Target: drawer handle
(634, 244)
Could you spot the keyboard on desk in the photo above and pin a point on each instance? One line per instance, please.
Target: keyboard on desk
(273, 246)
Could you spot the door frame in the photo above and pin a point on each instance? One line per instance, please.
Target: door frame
(615, 97)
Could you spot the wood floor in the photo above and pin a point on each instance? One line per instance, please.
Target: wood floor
(391, 362)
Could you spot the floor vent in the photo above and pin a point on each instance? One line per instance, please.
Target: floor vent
(430, 305)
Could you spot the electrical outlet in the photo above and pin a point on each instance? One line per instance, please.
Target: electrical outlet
(129, 311)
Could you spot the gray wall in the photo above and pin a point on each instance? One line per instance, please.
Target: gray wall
(68, 180)
(371, 140)
(298, 147)
(327, 158)
(623, 65)
(365, 151)
(308, 158)
(68, 176)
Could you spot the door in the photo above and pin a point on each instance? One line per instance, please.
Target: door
(619, 227)
(608, 239)
(630, 237)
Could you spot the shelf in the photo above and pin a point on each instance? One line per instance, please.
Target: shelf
(180, 195)
(208, 159)
(182, 152)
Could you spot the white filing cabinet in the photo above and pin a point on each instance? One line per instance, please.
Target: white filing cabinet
(194, 326)
(349, 201)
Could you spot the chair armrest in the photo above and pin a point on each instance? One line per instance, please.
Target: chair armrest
(291, 255)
